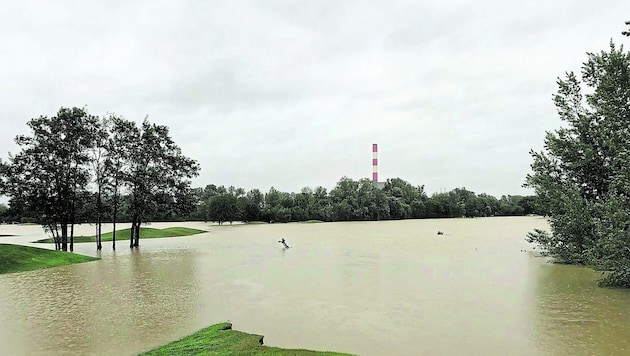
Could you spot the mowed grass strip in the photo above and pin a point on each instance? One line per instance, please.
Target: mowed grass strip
(220, 339)
(145, 233)
(18, 258)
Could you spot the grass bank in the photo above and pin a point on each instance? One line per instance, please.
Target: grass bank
(17, 258)
(145, 233)
(220, 339)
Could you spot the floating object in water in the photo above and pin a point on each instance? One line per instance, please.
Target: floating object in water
(284, 243)
(440, 232)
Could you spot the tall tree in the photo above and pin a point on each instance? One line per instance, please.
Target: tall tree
(322, 206)
(121, 135)
(223, 207)
(156, 167)
(100, 163)
(344, 197)
(583, 172)
(50, 171)
(254, 203)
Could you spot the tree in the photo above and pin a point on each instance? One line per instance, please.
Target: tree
(254, 202)
(322, 206)
(3, 210)
(223, 207)
(100, 163)
(156, 169)
(344, 197)
(278, 206)
(582, 174)
(121, 134)
(50, 172)
(626, 33)
(4, 169)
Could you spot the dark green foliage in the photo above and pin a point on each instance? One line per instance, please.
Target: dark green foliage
(3, 212)
(156, 173)
(582, 178)
(46, 178)
(353, 200)
(48, 181)
(224, 208)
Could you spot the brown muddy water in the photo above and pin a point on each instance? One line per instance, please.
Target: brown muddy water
(368, 288)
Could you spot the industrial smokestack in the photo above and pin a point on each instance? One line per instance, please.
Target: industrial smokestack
(375, 163)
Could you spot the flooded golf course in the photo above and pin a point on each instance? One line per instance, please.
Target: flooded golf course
(367, 288)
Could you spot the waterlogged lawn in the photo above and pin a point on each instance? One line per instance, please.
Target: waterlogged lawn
(145, 233)
(220, 339)
(17, 258)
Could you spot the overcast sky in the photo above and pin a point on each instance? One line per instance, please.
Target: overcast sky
(293, 93)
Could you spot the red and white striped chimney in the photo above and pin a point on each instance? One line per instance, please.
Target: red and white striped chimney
(375, 163)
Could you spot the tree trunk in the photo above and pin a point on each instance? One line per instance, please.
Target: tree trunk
(114, 232)
(132, 233)
(137, 239)
(55, 235)
(72, 219)
(99, 245)
(64, 236)
(57, 239)
(133, 225)
(115, 213)
(72, 236)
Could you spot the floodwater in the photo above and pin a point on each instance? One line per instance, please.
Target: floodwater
(368, 288)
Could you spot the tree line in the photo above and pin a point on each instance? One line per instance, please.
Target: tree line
(352, 200)
(349, 200)
(75, 167)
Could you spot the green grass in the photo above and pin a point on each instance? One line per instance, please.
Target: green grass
(17, 258)
(145, 233)
(220, 339)
(313, 221)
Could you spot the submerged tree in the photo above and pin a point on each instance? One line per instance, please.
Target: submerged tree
(50, 172)
(73, 162)
(582, 174)
(120, 135)
(100, 163)
(157, 175)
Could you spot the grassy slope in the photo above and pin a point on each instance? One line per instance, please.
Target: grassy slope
(145, 233)
(219, 339)
(16, 258)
